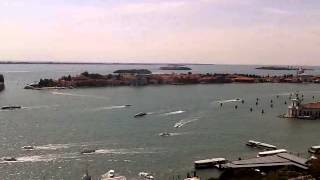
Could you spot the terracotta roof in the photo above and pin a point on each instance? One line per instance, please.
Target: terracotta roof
(315, 105)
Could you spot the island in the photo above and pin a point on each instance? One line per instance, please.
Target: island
(143, 77)
(175, 67)
(1, 82)
(282, 68)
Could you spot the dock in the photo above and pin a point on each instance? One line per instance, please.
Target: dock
(273, 161)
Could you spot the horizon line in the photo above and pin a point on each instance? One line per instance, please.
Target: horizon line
(136, 63)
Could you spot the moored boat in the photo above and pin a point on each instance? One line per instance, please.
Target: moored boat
(257, 144)
(314, 150)
(270, 153)
(209, 163)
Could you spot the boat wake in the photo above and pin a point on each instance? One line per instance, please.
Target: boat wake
(54, 146)
(123, 151)
(77, 95)
(42, 158)
(39, 107)
(184, 122)
(173, 113)
(13, 71)
(110, 108)
(228, 100)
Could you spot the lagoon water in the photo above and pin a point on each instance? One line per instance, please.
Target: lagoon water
(61, 123)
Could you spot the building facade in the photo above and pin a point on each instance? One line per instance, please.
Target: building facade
(304, 111)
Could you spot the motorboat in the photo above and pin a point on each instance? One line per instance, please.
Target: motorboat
(178, 124)
(88, 151)
(10, 107)
(146, 175)
(9, 159)
(110, 175)
(140, 114)
(165, 134)
(28, 148)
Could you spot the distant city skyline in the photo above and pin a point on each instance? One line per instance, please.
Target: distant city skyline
(285, 32)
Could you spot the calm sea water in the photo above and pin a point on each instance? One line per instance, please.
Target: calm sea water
(61, 123)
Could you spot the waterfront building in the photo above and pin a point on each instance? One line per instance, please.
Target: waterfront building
(303, 111)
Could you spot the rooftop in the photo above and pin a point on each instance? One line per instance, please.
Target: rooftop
(314, 105)
(282, 159)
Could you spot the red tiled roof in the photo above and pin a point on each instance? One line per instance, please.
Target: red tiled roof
(315, 105)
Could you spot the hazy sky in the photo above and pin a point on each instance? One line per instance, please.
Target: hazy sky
(182, 31)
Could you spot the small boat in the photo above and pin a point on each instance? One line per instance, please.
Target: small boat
(209, 163)
(165, 134)
(128, 105)
(110, 175)
(179, 124)
(86, 176)
(9, 159)
(257, 144)
(10, 107)
(28, 147)
(88, 151)
(145, 175)
(193, 178)
(270, 153)
(140, 114)
(314, 150)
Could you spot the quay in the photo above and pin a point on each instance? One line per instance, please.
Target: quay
(270, 162)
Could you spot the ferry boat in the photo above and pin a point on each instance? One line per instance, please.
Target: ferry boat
(257, 144)
(209, 163)
(314, 150)
(270, 153)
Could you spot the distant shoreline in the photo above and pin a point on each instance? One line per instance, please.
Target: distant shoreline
(281, 68)
(95, 63)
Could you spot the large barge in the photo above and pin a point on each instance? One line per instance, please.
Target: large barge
(1, 82)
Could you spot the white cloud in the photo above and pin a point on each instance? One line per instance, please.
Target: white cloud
(276, 11)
